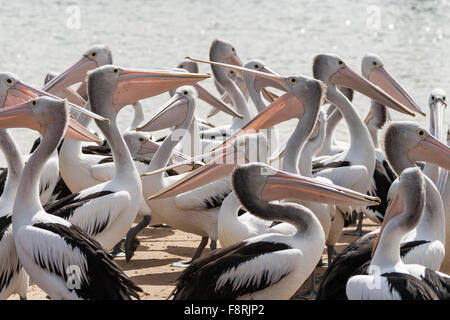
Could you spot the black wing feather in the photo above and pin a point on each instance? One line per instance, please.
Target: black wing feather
(105, 280)
(353, 260)
(199, 280)
(409, 287)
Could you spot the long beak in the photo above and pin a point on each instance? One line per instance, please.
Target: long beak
(38, 92)
(395, 208)
(16, 95)
(281, 185)
(199, 160)
(22, 116)
(77, 131)
(385, 81)
(240, 83)
(442, 181)
(219, 168)
(286, 107)
(212, 112)
(346, 77)
(206, 96)
(437, 119)
(148, 146)
(269, 96)
(82, 89)
(276, 80)
(74, 74)
(431, 150)
(19, 116)
(261, 83)
(134, 85)
(73, 97)
(171, 113)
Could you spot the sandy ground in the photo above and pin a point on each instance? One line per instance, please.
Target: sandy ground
(151, 267)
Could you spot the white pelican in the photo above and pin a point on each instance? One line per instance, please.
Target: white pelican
(96, 56)
(13, 278)
(356, 168)
(13, 91)
(405, 143)
(189, 215)
(438, 107)
(191, 144)
(269, 266)
(59, 257)
(389, 278)
(224, 51)
(107, 210)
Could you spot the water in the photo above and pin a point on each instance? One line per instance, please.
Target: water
(413, 38)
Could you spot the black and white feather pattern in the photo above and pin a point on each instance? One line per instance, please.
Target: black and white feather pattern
(353, 260)
(231, 272)
(57, 248)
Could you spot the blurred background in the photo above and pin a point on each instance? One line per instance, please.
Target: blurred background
(412, 37)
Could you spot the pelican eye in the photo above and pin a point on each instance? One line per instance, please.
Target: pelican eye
(34, 103)
(93, 54)
(293, 80)
(185, 92)
(340, 62)
(115, 70)
(433, 98)
(375, 63)
(233, 49)
(443, 98)
(141, 139)
(232, 72)
(421, 133)
(256, 66)
(9, 81)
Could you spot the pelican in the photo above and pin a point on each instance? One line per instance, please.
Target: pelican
(187, 215)
(405, 143)
(13, 278)
(356, 169)
(107, 210)
(224, 51)
(59, 257)
(437, 106)
(96, 56)
(330, 146)
(269, 266)
(389, 278)
(191, 145)
(13, 91)
(383, 175)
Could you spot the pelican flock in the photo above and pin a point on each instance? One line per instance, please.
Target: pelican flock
(76, 209)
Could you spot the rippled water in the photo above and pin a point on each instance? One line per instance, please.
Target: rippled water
(413, 38)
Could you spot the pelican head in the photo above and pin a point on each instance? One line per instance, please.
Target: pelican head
(223, 51)
(139, 143)
(438, 104)
(189, 66)
(94, 57)
(332, 70)
(373, 69)
(41, 113)
(406, 143)
(11, 92)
